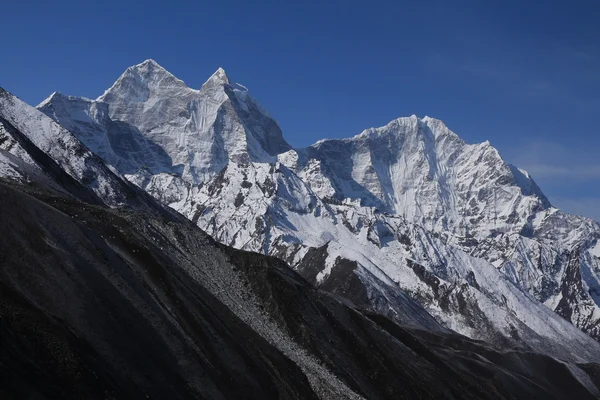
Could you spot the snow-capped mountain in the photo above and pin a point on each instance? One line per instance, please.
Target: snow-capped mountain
(419, 169)
(408, 209)
(149, 119)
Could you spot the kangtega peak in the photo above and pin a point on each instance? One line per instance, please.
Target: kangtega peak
(404, 213)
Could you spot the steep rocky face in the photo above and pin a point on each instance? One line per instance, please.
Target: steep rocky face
(405, 209)
(565, 280)
(146, 95)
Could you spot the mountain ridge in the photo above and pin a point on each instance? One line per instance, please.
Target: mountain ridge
(438, 215)
(126, 301)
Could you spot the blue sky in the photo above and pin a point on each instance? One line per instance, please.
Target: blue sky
(524, 75)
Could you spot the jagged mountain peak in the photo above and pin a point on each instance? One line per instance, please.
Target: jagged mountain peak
(418, 168)
(147, 68)
(220, 77)
(148, 79)
(439, 128)
(80, 110)
(168, 126)
(141, 82)
(149, 63)
(48, 99)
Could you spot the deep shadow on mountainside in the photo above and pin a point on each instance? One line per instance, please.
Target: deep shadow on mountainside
(99, 303)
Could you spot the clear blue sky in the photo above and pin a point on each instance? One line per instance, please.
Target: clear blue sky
(523, 74)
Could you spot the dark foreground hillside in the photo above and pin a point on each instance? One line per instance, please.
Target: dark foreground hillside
(104, 304)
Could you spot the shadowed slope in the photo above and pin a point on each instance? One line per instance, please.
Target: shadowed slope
(98, 303)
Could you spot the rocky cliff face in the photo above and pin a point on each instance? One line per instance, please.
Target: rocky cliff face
(408, 209)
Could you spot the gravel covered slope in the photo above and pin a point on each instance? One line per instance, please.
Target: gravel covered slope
(99, 303)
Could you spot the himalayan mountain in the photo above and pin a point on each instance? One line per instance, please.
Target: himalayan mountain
(167, 242)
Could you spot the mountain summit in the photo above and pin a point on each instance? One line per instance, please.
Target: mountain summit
(219, 77)
(421, 170)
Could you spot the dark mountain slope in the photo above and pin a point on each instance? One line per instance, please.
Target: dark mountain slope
(391, 358)
(100, 303)
(88, 310)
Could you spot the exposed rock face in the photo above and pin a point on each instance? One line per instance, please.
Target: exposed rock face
(408, 209)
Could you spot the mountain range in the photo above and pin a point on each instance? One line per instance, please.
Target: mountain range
(404, 242)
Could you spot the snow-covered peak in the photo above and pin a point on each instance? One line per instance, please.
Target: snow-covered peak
(143, 82)
(421, 170)
(149, 63)
(219, 78)
(168, 126)
(57, 97)
(408, 127)
(149, 68)
(402, 125)
(146, 95)
(48, 99)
